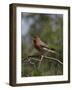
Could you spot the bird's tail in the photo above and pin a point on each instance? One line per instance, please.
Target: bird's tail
(52, 51)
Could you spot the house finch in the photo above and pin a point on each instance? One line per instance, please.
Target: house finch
(41, 46)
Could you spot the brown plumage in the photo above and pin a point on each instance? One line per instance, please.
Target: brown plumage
(41, 46)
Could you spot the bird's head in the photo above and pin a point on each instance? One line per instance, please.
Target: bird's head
(36, 37)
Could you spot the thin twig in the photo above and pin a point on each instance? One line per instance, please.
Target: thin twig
(54, 59)
(36, 59)
(32, 64)
(40, 61)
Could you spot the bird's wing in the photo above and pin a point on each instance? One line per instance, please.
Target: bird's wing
(48, 49)
(52, 51)
(43, 44)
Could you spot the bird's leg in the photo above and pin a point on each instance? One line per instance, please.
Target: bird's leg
(40, 61)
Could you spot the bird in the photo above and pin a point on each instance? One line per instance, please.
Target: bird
(41, 46)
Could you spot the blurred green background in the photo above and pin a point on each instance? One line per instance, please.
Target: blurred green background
(49, 27)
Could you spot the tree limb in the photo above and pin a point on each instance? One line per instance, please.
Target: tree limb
(35, 57)
(54, 59)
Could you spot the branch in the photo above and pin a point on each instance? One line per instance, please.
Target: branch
(40, 61)
(34, 57)
(54, 59)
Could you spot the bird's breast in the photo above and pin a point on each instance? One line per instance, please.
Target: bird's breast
(37, 45)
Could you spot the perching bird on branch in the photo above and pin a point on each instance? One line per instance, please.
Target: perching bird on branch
(41, 46)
